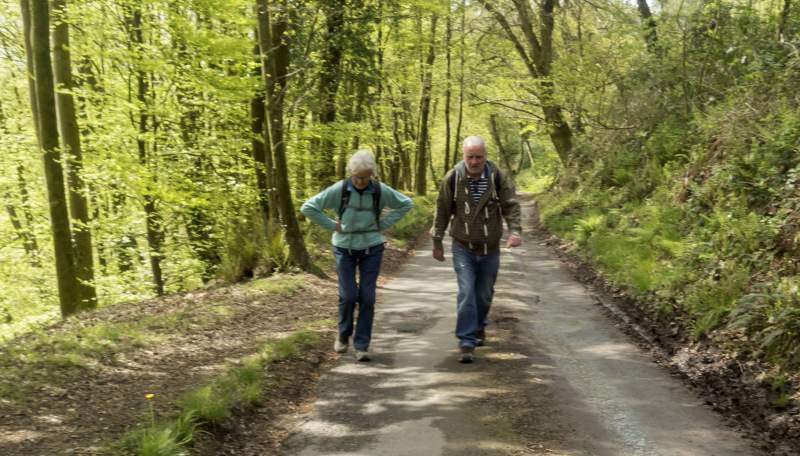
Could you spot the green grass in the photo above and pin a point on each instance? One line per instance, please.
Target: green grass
(238, 386)
(275, 284)
(168, 438)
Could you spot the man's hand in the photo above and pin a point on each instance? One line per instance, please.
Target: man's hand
(514, 240)
(438, 255)
(338, 228)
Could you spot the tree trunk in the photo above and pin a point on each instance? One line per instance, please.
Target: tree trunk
(457, 153)
(329, 78)
(379, 150)
(18, 228)
(272, 25)
(421, 181)
(538, 59)
(71, 141)
(23, 231)
(25, 8)
(650, 36)
(501, 151)
(68, 284)
(258, 150)
(447, 37)
(303, 153)
(153, 222)
(521, 161)
(409, 137)
(396, 164)
(787, 7)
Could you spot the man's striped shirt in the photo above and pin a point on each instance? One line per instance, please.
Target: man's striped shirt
(478, 187)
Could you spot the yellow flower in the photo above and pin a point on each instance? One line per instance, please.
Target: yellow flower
(149, 396)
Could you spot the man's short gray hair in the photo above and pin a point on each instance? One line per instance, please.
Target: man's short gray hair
(470, 141)
(362, 161)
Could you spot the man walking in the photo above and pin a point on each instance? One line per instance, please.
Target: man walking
(477, 196)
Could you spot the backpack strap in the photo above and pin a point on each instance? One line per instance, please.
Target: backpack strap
(495, 175)
(376, 199)
(345, 197)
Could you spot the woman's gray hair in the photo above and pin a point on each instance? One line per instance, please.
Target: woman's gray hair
(474, 141)
(362, 161)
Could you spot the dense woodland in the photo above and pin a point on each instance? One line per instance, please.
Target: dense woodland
(150, 147)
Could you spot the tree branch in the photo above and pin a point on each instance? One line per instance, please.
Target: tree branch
(498, 16)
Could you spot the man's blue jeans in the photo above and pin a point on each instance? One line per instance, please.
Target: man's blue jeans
(476, 277)
(361, 293)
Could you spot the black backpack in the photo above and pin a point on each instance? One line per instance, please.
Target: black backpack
(376, 198)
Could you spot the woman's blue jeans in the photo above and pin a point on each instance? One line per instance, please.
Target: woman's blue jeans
(361, 293)
(476, 277)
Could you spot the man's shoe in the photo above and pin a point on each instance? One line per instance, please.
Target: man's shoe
(341, 344)
(362, 355)
(481, 336)
(466, 354)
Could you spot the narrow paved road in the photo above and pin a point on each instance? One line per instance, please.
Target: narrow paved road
(596, 392)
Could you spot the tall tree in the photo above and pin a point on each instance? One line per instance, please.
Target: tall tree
(498, 141)
(420, 180)
(462, 49)
(447, 95)
(651, 35)
(68, 283)
(272, 27)
(71, 141)
(24, 230)
(329, 78)
(538, 60)
(258, 151)
(153, 220)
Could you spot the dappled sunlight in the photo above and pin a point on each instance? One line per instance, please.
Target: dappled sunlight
(608, 350)
(52, 419)
(325, 429)
(504, 356)
(21, 435)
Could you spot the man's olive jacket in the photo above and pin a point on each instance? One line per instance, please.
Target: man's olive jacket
(476, 228)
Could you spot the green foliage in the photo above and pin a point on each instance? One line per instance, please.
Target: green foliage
(712, 298)
(250, 249)
(696, 198)
(771, 318)
(417, 219)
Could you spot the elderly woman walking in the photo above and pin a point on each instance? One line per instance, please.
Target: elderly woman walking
(357, 240)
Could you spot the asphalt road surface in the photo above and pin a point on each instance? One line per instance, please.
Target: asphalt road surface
(414, 398)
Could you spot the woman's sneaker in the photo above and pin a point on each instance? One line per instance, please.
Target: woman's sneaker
(362, 355)
(341, 344)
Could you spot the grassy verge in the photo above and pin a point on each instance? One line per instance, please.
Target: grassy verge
(240, 385)
(714, 267)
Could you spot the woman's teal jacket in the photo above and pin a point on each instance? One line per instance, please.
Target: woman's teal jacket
(359, 228)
